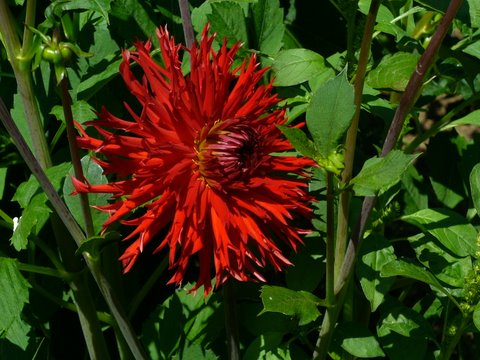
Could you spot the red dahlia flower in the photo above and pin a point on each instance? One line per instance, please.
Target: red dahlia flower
(199, 159)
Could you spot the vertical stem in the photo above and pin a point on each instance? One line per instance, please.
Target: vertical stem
(351, 139)
(186, 22)
(330, 241)
(231, 322)
(21, 69)
(30, 21)
(74, 153)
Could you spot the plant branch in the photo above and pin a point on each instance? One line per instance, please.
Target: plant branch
(186, 23)
(351, 139)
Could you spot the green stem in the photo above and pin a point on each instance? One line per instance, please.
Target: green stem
(21, 69)
(351, 139)
(30, 12)
(231, 322)
(43, 270)
(102, 316)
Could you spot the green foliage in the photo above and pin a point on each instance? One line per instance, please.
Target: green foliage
(414, 288)
(300, 304)
(380, 174)
(14, 297)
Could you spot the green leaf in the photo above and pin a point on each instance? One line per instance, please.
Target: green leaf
(474, 10)
(295, 66)
(228, 20)
(100, 6)
(94, 83)
(94, 175)
(379, 174)
(406, 268)
(330, 113)
(268, 25)
(403, 332)
(175, 322)
(393, 72)
(300, 304)
(447, 268)
(299, 141)
(27, 189)
(82, 111)
(195, 352)
(375, 252)
(268, 346)
(452, 230)
(357, 340)
(14, 297)
(33, 218)
(472, 118)
(475, 187)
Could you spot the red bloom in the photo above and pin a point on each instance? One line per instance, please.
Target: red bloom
(199, 159)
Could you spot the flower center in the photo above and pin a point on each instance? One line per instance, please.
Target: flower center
(227, 152)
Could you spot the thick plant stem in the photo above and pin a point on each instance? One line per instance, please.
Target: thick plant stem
(75, 231)
(231, 322)
(186, 23)
(21, 69)
(351, 139)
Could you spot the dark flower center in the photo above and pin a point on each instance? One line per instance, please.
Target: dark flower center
(227, 152)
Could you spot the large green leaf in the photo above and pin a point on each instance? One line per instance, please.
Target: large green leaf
(357, 340)
(300, 304)
(375, 252)
(447, 268)
(14, 297)
(452, 230)
(405, 268)
(393, 72)
(268, 25)
(330, 114)
(379, 174)
(415, 194)
(295, 66)
(228, 20)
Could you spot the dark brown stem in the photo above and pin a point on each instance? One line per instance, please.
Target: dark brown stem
(74, 153)
(186, 22)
